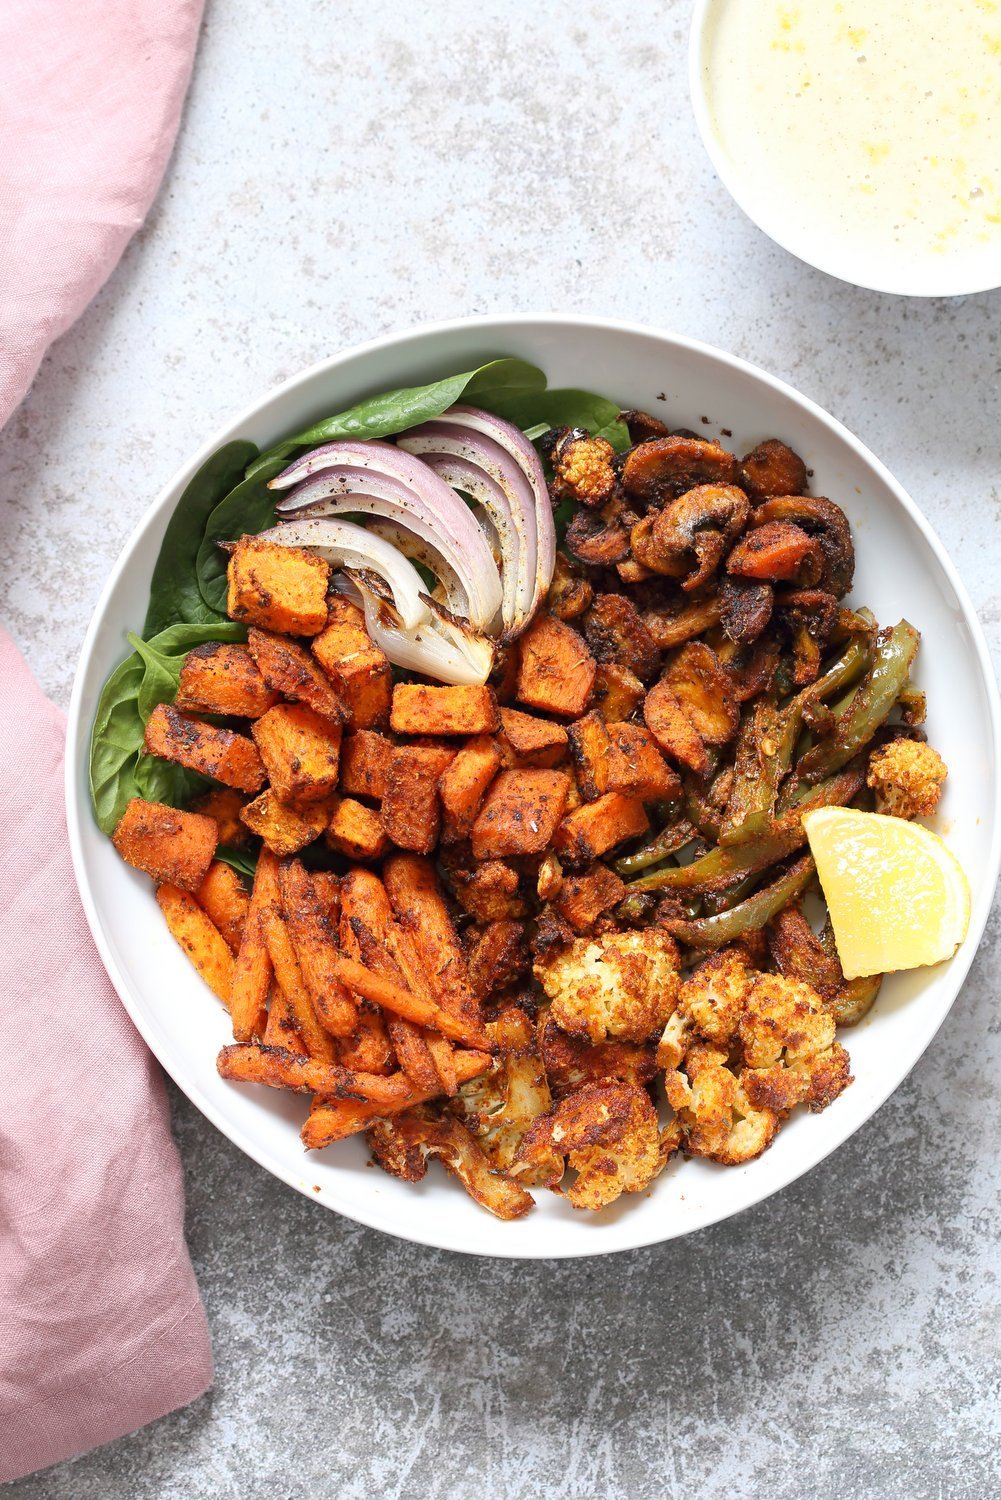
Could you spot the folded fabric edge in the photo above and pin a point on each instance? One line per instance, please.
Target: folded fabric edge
(170, 1372)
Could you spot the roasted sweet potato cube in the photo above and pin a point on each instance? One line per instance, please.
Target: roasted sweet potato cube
(289, 668)
(533, 741)
(355, 830)
(285, 830)
(300, 750)
(411, 807)
(443, 710)
(464, 785)
(175, 847)
(618, 692)
(591, 752)
(489, 891)
(222, 679)
(358, 669)
(279, 588)
(224, 805)
(596, 827)
(220, 753)
(637, 767)
(199, 937)
(225, 900)
(365, 764)
(581, 899)
(555, 668)
(521, 813)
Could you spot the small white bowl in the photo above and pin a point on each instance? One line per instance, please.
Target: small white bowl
(902, 569)
(954, 277)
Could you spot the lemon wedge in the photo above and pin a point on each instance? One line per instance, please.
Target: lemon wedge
(897, 895)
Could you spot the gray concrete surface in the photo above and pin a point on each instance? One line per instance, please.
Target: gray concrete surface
(346, 170)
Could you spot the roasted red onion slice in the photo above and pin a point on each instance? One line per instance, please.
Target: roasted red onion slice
(381, 480)
(438, 648)
(501, 454)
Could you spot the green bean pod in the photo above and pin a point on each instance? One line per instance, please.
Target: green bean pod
(724, 866)
(870, 706)
(663, 844)
(747, 916)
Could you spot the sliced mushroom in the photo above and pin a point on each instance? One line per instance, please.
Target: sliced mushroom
(648, 555)
(595, 541)
(706, 691)
(673, 629)
(672, 728)
(666, 467)
(570, 594)
(698, 529)
(809, 615)
(827, 522)
(745, 608)
(616, 633)
(642, 426)
(772, 468)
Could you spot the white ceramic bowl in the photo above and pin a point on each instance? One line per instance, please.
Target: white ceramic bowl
(902, 570)
(952, 276)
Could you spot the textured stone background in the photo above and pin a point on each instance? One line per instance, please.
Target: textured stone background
(348, 169)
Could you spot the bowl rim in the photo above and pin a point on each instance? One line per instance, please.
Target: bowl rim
(729, 174)
(496, 325)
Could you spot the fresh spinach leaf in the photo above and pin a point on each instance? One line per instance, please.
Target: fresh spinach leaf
(115, 743)
(247, 509)
(500, 380)
(119, 770)
(163, 658)
(174, 592)
(537, 412)
(164, 781)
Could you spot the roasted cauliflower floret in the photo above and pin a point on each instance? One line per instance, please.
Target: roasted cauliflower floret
(719, 1119)
(403, 1143)
(498, 1106)
(791, 1056)
(582, 467)
(609, 1135)
(907, 777)
(570, 1061)
(713, 997)
(622, 984)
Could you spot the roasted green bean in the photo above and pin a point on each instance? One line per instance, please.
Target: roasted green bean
(870, 706)
(747, 916)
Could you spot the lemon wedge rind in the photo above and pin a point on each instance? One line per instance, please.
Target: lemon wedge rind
(897, 895)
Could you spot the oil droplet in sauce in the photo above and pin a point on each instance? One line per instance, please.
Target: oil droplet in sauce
(868, 135)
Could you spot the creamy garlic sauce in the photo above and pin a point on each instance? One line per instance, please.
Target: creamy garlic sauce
(869, 128)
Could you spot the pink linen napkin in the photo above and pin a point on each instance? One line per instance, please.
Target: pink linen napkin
(90, 98)
(101, 1326)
